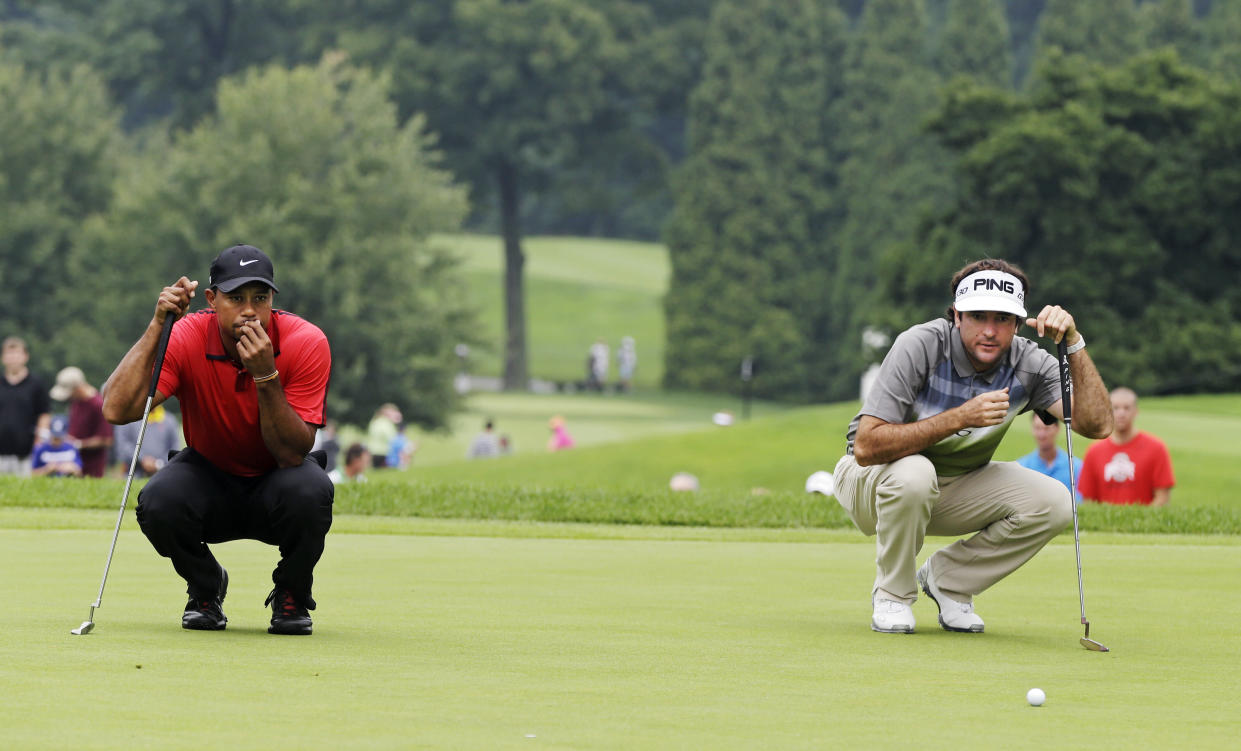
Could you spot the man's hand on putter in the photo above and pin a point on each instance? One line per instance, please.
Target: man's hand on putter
(175, 299)
(254, 348)
(1054, 321)
(986, 409)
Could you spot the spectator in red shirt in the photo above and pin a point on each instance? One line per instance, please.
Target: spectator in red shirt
(1129, 467)
(90, 432)
(251, 382)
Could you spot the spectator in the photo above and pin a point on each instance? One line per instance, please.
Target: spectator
(380, 432)
(506, 445)
(1048, 458)
(599, 363)
(25, 410)
(485, 444)
(560, 438)
(626, 363)
(591, 383)
(56, 457)
(162, 438)
(326, 441)
(400, 450)
(1130, 467)
(357, 459)
(91, 433)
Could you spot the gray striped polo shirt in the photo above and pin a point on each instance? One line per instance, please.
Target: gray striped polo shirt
(927, 372)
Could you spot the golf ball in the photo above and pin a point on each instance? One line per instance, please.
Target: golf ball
(1036, 697)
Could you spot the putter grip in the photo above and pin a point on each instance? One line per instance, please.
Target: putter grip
(1066, 379)
(160, 349)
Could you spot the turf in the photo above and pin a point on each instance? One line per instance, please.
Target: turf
(466, 641)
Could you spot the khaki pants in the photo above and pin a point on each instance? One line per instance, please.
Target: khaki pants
(1010, 511)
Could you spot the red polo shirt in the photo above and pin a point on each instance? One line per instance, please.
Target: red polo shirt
(218, 397)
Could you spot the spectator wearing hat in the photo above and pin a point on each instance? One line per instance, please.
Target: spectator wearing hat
(161, 439)
(56, 457)
(24, 408)
(89, 430)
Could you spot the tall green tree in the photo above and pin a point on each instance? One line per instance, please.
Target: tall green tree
(161, 58)
(1223, 35)
(975, 43)
(757, 203)
(1102, 30)
(60, 154)
(515, 90)
(311, 165)
(1171, 23)
(895, 173)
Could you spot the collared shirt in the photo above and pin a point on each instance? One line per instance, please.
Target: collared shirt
(928, 371)
(219, 399)
(1059, 468)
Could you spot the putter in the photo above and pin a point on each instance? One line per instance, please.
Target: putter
(160, 349)
(1066, 390)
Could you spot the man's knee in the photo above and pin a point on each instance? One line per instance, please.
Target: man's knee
(159, 504)
(1060, 510)
(305, 493)
(911, 478)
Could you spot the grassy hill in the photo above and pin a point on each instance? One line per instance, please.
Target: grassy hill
(778, 449)
(577, 290)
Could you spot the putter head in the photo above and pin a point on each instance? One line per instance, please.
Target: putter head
(1089, 643)
(86, 627)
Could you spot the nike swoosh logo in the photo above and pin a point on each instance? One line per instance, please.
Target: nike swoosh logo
(247, 263)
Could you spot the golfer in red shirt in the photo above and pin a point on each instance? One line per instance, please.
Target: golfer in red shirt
(251, 382)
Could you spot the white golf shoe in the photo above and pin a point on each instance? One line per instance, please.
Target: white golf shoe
(953, 615)
(892, 617)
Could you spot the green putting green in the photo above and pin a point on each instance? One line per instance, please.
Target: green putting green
(477, 635)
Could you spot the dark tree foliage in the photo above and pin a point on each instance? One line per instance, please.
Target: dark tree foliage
(1116, 189)
(757, 206)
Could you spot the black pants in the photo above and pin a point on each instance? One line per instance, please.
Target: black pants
(190, 502)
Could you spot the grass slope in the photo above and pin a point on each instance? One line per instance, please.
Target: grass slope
(577, 290)
(752, 474)
(592, 419)
(498, 643)
(778, 450)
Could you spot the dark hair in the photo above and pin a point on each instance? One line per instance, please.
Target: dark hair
(353, 452)
(986, 264)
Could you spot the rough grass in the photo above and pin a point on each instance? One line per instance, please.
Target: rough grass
(752, 474)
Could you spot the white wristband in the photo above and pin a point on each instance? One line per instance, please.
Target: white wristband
(1081, 344)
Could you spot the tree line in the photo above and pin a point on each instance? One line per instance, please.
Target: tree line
(814, 165)
(839, 170)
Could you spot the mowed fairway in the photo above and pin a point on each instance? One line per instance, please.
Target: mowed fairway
(482, 636)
